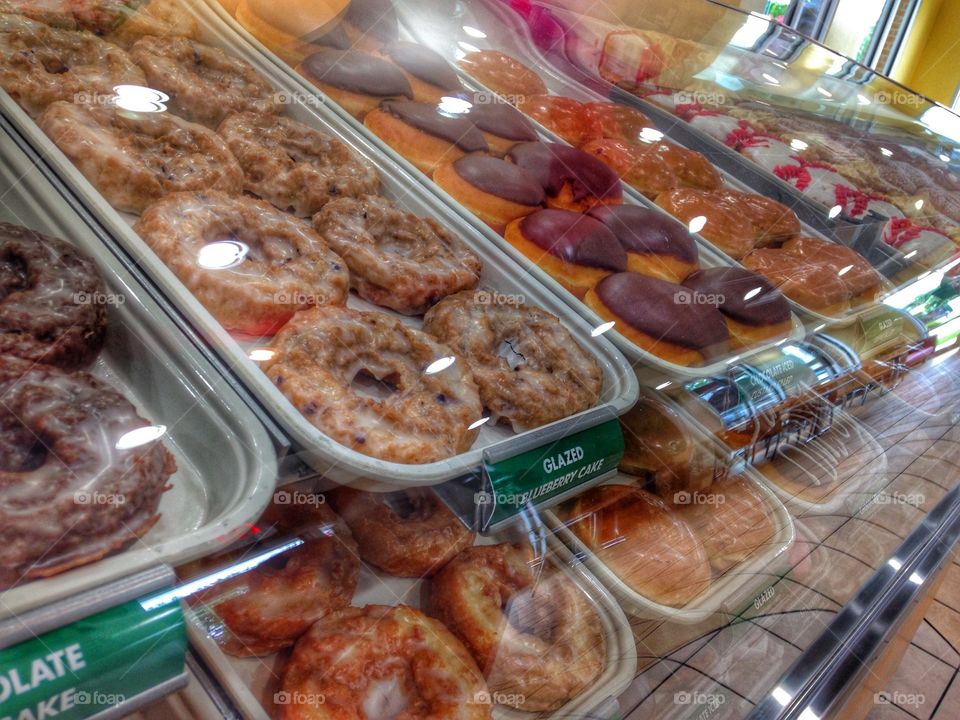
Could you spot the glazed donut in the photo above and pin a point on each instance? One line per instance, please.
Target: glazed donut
(377, 662)
(40, 65)
(692, 169)
(204, 83)
(160, 18)
(114, 18)
(409, 533)
(619, 122)
(528, 366)
(50, 311)
(638, 165)
(134, 159)
(293, 166)
(806, 283)
(862, 281)
(69, 495)
(266, 608)
(534, 635)
(772, 222)
(321, 352)
(250, 265)
(396, 259)
(503, 74)
(563, 116)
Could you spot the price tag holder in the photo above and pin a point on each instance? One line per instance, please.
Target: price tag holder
(94, 664)
(879, 330)
(548, 474)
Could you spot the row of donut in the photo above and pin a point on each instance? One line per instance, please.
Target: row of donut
(484, 153)
(63, 430)
(262, 271)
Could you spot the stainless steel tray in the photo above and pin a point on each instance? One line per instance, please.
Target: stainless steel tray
(226, 463)
(321, 452)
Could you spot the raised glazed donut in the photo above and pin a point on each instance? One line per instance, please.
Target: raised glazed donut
(251, 265)
(266, 608)
(134, 159)
(50, 308)
(204, 83)
(377, 662)
(432, 399)
(161, 18)
(534, 634)
(293, 166)
(528, 367)
(40, 65)
(409, 533)
(70, 491)
(503, 74)
(396, 259)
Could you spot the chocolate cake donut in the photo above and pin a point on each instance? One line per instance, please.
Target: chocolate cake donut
(572, 179)
(50, 309)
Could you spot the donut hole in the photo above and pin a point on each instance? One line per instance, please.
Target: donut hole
(21, 451)
(387, 698)
(530, 613)
(366, 384)
(13, 275)
(513, 358)
(408, 506)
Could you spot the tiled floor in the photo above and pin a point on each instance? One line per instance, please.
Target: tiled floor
(722, 667)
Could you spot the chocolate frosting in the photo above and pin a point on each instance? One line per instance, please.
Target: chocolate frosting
(554, 165)
(501, 178)
(452, 128)
(376, 18)
(336, 38)
(741, 301)
(575, 238)
(357, 72)
(650, 305)
(647, 232)
(493, 115)
(423, 63)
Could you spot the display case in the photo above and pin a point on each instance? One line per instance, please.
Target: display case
(479, 359)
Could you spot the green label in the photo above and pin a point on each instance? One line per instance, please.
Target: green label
(98, 662)
(880, 330)
(547, 474)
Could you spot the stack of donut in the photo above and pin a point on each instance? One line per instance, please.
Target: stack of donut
(272, 224)
(497, 623)
(61, 454)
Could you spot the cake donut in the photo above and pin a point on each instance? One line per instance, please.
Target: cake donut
(503, 74)
(578, 251)
(250, 265)
(923, 245)
(359, 659)
(572, 179)
(355, 80)
(502, 125)
(60, 464)
(430, 76)
(494, 190)
(204, 83)
(293, 166)
(643, 541)
(655, 244)
(563, 116)
(266, 608)
(48, 300)
(409, 533)
(396, 259)
(424, 134)
(532, 631)
(134, 159)
(660, 317)
(529, 368)
(432, 400)
(40, 65)
(808, 284)
(755, 311)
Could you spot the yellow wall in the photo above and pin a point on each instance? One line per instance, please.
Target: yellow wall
(930, 63)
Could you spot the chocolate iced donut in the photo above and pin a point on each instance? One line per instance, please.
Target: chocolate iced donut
(577, 250)
(753, 308)
(50, 300)
(40, 65)
(656, 245)
(355, 80)
(502, 125)
(430, 76)
(495, 190)
(204, 83)
(572, 179)
(70, 491)
(660, 317)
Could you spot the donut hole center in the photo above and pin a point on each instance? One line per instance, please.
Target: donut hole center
(407, 506)
(13, 275)
(21, 451)
(388, 698)
(366, 384)
(508, 352)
